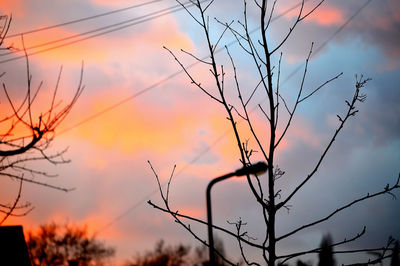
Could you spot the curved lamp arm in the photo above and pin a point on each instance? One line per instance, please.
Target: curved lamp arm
(253, 169)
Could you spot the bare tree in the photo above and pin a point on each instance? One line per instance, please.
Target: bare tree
(53, 244)
(26, 134)
(279, 115)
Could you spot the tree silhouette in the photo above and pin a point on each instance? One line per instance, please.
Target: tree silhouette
(300, 263)
(201, 254)
(325, 255)
(162, 255)
(279, 114)
(178, 255)
(53, 244)
(26, 132)
(395, 255)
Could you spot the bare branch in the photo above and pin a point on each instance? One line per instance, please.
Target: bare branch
(238, 226)
(386, 190)
(317, 250)
(31, 143)
(291, 113)
(191, 77)
(176, 215)
(227, 26)
(350, 112)
(190, 13)
(312, 10)
(195, 57)
(299, 19)
(10, 210)
(321, 86)
(21, 178)
(254, 91)
(270, 15)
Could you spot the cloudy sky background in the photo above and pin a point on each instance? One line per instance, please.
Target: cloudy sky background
(174, 123)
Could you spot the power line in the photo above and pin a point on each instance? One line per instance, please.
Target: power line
(325, 43)
(115, 27)
(136, 21)
(140, 19)
(342, 26)
(81, 19)
(127, 99)
(222, 136)
(160, 82)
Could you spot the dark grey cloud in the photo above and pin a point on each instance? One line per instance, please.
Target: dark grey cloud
(378, 24)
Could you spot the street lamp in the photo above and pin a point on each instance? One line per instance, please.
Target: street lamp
(253, 169)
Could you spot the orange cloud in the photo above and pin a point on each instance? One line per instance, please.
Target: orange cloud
(97, 221)
(13, 7)
(96, 163)
(93, 223)
(133, 127)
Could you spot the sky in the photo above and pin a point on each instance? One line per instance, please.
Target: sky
(133, 111)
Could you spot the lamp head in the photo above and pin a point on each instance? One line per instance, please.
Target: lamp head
(254, 169)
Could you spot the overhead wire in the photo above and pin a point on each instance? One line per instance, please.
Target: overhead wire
(103, 30)
(81, 19)
(222, 136)
(160, 82)
(93, 31)
(331, 37)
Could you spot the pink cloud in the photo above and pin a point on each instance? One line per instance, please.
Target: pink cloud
(301, 130)
(114, 3)
(327, 16)
(324, 15)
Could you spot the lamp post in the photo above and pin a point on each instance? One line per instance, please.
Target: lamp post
(257, 168)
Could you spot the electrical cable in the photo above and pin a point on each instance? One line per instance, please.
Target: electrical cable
(319, 48)
(117, 27)
(81, 19)
(160, 82)
(141, 20)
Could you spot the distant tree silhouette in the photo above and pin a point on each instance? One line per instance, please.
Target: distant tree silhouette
(162, 255)
(201, 254)
(278, 108)
(26, 131)
(53, 244)
(325, 255)
(178, 255)
(395, 255)
(300, 263)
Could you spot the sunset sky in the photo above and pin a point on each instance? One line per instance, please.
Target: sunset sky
(132, 110)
